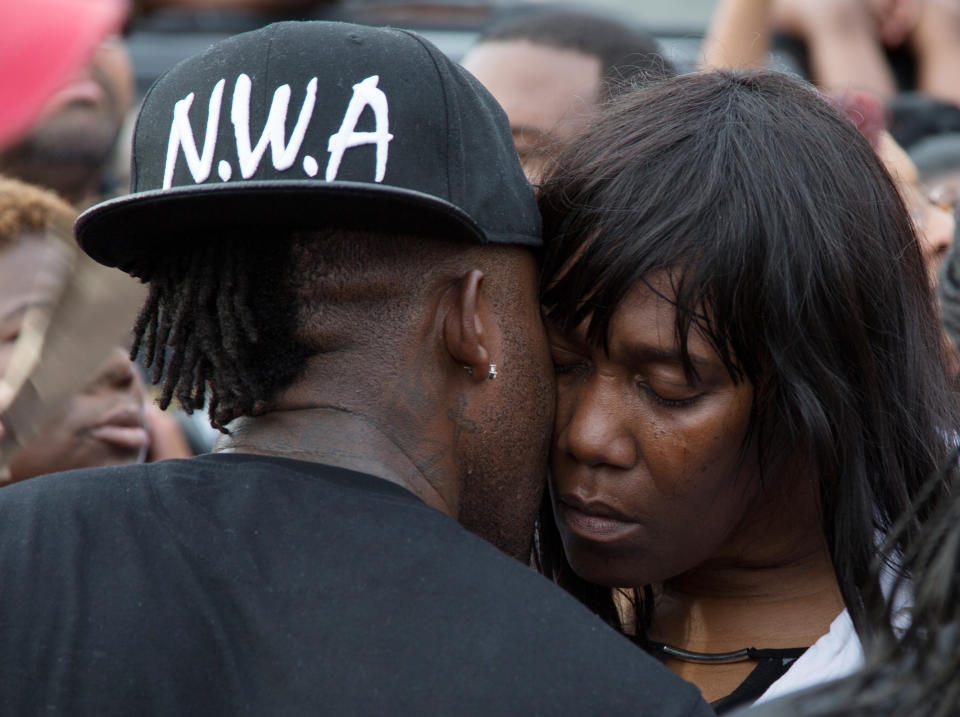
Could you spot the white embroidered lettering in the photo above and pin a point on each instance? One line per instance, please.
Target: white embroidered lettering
(282, 154)
(181, 135)
(224, 170)
(365, 94)
(310, 166)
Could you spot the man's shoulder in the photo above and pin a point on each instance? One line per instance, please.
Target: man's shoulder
(232, 472)
(559, 645)
(343, 563)
(78, 486)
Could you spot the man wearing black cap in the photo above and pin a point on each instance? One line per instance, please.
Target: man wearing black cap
(339, 243)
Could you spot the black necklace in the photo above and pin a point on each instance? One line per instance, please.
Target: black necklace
(663, 650)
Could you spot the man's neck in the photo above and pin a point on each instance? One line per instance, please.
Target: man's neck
(335, 437)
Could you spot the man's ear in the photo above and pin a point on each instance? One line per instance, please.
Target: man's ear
(463, 331)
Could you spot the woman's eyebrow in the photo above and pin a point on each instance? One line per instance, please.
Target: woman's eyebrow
(554, 325)
(643, 352)
(572, 340)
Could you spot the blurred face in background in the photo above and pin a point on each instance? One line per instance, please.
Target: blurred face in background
(101, 425)
(932, 216)
(71, 143)
(549, 94)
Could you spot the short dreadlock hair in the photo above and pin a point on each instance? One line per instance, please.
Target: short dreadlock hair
(230, 321)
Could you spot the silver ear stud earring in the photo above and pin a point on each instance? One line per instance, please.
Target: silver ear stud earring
(491, 372)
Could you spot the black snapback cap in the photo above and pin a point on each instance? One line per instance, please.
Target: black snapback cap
(305, 125)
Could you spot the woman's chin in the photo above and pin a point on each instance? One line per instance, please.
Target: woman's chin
(601, 569)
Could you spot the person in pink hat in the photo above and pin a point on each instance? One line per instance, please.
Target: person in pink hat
(41, 43)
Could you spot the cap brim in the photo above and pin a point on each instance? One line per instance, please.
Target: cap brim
(133, 231)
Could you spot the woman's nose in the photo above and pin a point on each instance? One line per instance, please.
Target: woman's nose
(593, 425)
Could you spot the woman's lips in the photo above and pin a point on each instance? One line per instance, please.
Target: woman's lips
(592, 520)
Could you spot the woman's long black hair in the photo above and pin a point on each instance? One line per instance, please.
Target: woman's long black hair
(913, 671)
(791, 251)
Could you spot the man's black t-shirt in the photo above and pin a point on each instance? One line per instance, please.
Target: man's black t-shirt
(245, 585)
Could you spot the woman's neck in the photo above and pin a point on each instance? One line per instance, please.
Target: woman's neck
(724, 606)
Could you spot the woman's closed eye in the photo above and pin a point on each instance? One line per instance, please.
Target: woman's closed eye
(566, 363)
(674, 397)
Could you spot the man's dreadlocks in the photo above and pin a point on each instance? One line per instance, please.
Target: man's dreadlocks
(231, 321)
(217, 326)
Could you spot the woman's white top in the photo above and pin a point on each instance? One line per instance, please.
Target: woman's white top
(839, 652)
(834, 655)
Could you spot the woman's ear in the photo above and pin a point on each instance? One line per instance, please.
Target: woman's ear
(463, 331)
